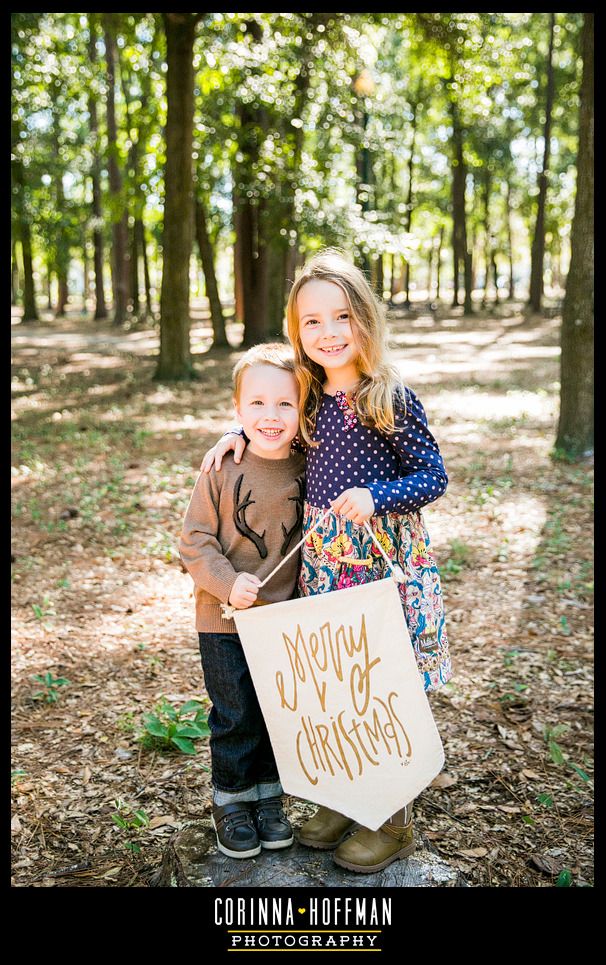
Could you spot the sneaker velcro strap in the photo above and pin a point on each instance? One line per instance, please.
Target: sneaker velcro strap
(240, 812)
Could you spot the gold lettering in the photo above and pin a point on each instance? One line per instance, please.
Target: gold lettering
(322, 730)
(312, 780)
(391, 695)
(313, 744)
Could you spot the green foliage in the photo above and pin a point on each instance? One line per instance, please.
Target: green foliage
(130, 822)
(43, 610)
(557, 755)
(564, 879)
(278, 115)
(459, 556)
(51, 684)
(169, 727)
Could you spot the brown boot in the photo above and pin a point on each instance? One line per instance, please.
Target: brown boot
(369, 851)
(326, 829)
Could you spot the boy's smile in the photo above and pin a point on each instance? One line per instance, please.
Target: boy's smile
(268, 409)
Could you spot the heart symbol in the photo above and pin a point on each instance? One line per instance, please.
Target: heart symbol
(301, 911)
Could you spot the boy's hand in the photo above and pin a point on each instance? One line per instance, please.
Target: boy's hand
(356, 504)
(245, 590)
(215, 455)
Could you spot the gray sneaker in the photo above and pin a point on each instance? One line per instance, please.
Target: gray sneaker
(235, 828)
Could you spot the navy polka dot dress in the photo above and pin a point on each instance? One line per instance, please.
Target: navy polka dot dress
(404, 471)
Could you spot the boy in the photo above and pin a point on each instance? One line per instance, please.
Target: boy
(240, 523)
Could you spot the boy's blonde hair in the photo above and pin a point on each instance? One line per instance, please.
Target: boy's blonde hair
(277, 354)
(378, 377)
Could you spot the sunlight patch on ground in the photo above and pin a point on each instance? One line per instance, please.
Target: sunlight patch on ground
(209, 423)
(480, 405)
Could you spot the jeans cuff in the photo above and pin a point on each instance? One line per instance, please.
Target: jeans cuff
(232, 797)
(269, 790)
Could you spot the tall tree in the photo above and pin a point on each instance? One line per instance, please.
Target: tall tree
(23, 27)
(208, 267)
(120, 257)
(538, 241)
(415, 104)
(100, 306)
(175, 356)
(460, 250)
(30, 312)
(575, 427)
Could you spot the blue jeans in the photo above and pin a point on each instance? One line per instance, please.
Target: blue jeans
(243, 763)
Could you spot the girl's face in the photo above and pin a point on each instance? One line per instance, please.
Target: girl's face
(325, 330)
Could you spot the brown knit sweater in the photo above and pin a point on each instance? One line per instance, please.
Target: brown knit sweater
(244, 518)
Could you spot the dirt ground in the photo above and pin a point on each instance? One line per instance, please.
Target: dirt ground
(104, 460)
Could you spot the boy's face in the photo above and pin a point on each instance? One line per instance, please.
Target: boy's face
(268, 409)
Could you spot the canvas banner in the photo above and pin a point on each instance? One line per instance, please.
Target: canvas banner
(343, 700)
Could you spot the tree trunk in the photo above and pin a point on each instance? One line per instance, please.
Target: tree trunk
(487, 244)
(277, 255)
(238, 283)
(119, 264)
(134, 271)
(15, 289)
(473, 247)
(455, 260)
(459, 174)
(62, 245)
(379, 276)
(511, 293)
(429, 269)
(409, 196)
(439, 261)
(363, 179)
(85, 278)
(30, 312)
(575, 428)
(49, 287)
(140, 229)
(100, 306)
(538, 241)
(210, 278)
(175, 355)
(132, 167)
(495, 275)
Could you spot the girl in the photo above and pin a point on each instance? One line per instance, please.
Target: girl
(370, 456)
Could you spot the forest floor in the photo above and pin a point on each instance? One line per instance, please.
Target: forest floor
(104, 460)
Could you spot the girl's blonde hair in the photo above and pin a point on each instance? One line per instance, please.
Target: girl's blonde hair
(378, 377)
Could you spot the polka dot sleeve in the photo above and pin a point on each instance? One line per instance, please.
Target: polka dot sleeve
(423, 476)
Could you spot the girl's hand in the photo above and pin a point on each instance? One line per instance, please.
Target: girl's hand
(245, 591)
(356, 504)
(214, 456)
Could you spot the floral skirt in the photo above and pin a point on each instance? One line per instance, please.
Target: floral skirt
(340, 554)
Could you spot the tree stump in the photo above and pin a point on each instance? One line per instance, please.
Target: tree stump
(191, 860)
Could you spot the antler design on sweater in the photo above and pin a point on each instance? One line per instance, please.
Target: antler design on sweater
(298, 500)
(240, 523)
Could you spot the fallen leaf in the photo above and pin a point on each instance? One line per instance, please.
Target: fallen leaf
(15, 824)
(473, 852)
(162, 820)
(549, 866)
(444, 780)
